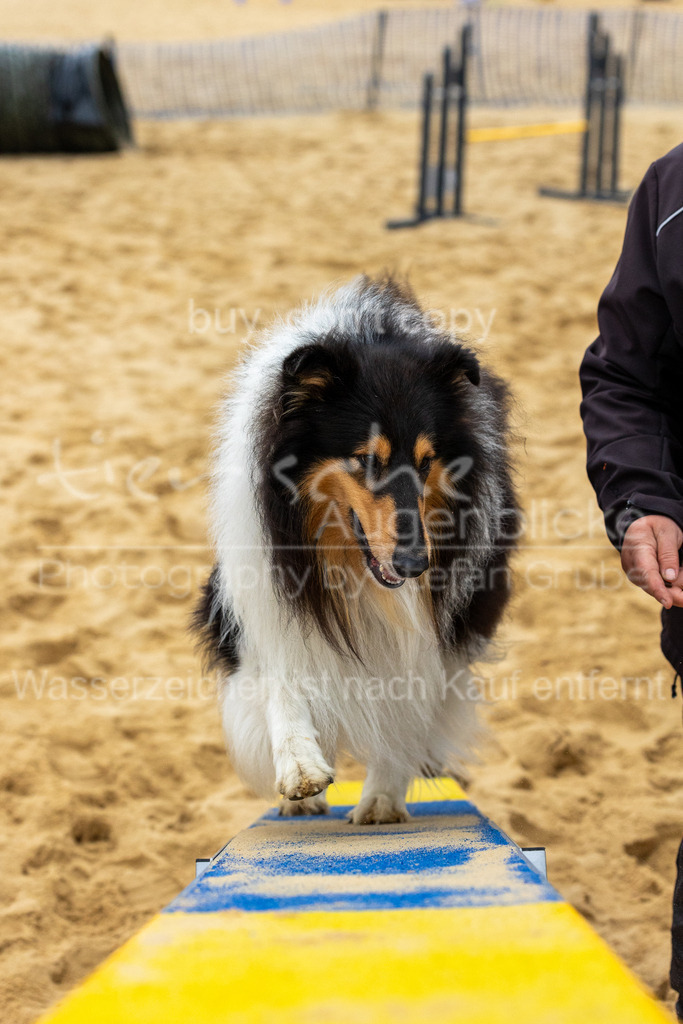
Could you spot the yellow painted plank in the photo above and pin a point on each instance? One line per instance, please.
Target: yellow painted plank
(538, 963)
(525, 131)
(421, 790)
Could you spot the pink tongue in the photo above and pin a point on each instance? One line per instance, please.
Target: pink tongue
(388, 576)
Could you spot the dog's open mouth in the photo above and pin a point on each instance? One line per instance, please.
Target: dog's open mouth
(380, 570)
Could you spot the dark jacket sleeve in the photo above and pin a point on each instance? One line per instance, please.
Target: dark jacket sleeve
(631, 375)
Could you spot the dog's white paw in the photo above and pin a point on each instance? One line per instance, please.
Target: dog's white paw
(309, 805)
(304, 778)
(379, 809)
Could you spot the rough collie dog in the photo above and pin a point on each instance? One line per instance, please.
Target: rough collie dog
(363, 516)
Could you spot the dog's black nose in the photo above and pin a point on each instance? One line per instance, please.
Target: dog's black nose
(410, 562)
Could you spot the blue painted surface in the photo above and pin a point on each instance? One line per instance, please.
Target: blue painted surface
(325, 863)
(426, 809)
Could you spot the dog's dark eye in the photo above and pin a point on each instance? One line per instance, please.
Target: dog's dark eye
(425, 465)
(369, 464)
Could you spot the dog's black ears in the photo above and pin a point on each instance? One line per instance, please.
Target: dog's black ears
(453, 363)
(314, 363)
(308, 372)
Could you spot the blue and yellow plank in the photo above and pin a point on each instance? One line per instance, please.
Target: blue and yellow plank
(312, 920)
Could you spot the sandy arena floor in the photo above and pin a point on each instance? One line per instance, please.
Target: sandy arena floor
(128, 284)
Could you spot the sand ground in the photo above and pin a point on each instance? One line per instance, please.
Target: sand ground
(128, 285)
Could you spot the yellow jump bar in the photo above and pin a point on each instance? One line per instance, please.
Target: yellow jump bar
(525, 131)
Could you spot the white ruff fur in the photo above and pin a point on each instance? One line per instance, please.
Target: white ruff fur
(294, 703)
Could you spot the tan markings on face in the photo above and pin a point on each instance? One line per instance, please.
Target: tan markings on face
(425, 531)
(377, 517)
(338, 557)
(328, 527)
(434, 507)
(330, 492)
(422, 449)
(379, 446)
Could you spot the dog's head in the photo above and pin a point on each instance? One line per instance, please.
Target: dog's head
(370, 438)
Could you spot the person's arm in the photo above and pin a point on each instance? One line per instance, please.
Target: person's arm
(635, 462)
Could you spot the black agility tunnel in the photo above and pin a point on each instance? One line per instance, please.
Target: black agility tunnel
(61, 101)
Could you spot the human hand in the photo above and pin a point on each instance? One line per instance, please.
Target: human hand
(649, 557)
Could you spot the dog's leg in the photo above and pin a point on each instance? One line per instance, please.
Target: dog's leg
(309, 805)
(301, 770)
(384, 797)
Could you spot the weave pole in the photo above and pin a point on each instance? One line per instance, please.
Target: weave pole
(600, 147)
(312, 919)
(442, 151)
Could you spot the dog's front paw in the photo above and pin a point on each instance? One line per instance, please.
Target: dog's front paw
(304, 778)
(309, 805)
(378, 809)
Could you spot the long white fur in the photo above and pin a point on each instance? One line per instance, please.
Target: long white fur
(294, 703)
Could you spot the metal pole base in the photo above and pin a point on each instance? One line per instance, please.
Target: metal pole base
(394, 225)
(619, 196)
(470, 218)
